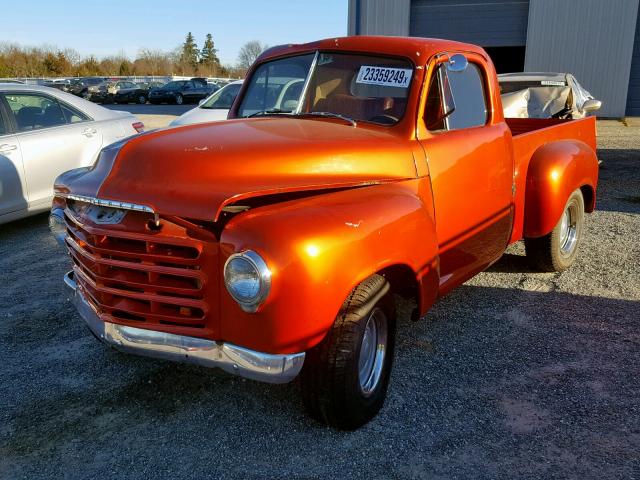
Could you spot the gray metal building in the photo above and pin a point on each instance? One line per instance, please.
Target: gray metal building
(596, 40)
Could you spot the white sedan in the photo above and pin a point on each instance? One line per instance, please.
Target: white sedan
(214, 108)
(44, 132)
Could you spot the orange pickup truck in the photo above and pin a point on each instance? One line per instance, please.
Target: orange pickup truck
(350, 170)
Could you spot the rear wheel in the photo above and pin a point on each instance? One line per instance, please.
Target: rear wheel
(179, 99)
(142, 99)
(345, 377)
(557, 250)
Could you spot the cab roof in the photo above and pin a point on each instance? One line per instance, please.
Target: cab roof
(416, 48)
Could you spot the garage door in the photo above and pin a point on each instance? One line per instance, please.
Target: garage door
(633, 95)
(489, 23)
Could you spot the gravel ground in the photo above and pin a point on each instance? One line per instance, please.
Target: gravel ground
(516, 374)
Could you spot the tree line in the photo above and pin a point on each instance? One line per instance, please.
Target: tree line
(185, 60)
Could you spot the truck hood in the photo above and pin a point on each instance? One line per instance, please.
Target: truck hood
(197, 170)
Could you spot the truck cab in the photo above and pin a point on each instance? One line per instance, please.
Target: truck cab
(350, 171)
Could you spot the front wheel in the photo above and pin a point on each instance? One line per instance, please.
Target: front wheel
(345, 377)
(557, 250)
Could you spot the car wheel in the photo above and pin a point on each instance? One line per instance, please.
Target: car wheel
(557, 251)
(142, 99)
(179, 99)
(344, 378)
(85, 95)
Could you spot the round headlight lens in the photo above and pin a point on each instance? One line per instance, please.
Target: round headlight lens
(248, 279)
(57, 225)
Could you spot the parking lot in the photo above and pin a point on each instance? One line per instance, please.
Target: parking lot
(516, 374)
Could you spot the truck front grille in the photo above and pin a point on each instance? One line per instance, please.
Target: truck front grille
(149, 279)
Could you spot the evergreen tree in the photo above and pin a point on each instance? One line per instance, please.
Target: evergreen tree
(208, 57)
(190, 52)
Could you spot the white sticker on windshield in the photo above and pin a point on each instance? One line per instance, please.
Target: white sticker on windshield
(552, 83)
(389, 77)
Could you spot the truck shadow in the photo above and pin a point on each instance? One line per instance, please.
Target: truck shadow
(619, 182)
(479, 352)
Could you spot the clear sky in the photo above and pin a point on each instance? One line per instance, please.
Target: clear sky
(107, 27)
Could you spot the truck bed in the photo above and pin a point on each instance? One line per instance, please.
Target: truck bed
(531, 133)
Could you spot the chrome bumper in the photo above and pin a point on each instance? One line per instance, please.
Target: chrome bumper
(230, 358)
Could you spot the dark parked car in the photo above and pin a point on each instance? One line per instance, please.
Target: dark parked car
(98, 93)
(181, 91)
(62, 85)
(80, 86)
(125, 91)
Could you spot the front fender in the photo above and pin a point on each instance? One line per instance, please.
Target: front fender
(318, 249)
(555, 171)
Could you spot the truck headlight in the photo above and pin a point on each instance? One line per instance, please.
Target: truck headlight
(248, 279)
(57, 225)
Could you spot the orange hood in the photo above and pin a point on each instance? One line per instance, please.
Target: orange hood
(195, 171)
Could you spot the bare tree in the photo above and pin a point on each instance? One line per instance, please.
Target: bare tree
(249, 52)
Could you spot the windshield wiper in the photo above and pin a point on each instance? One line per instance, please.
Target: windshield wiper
(328, 115)
(273, 111)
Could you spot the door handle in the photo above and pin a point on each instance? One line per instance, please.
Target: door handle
(89, 132)
(7, 147)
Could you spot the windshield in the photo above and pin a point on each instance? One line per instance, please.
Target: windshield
(356, 86)
(223, 98)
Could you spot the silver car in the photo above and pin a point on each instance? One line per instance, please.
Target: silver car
(213, 108)
(44, 132)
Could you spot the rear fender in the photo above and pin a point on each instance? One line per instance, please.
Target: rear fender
(555, 171)
(318, 249)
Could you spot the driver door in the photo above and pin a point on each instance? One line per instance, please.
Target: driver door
(471, 169)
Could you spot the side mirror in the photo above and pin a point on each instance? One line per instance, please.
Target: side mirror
(457, 63)
(591, 105)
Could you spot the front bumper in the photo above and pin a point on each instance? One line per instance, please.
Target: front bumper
(231, 358)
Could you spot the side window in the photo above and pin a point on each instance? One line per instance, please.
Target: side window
(72, 115)
(33, 111)
(456, 100)
(434, 109)
(467, 88)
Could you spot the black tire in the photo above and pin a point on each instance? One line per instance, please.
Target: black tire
(331, 385)
(142, 100)
(556, 251)
(179, 99)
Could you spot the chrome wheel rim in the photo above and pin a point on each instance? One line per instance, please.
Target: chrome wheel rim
(179, 100)
(373, 350)
(142, 100)
(569, 230)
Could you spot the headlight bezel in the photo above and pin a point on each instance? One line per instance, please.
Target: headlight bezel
(56, 219)
(263, 275)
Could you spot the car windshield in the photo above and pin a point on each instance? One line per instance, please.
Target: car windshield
(356, 87)
(223, 98)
